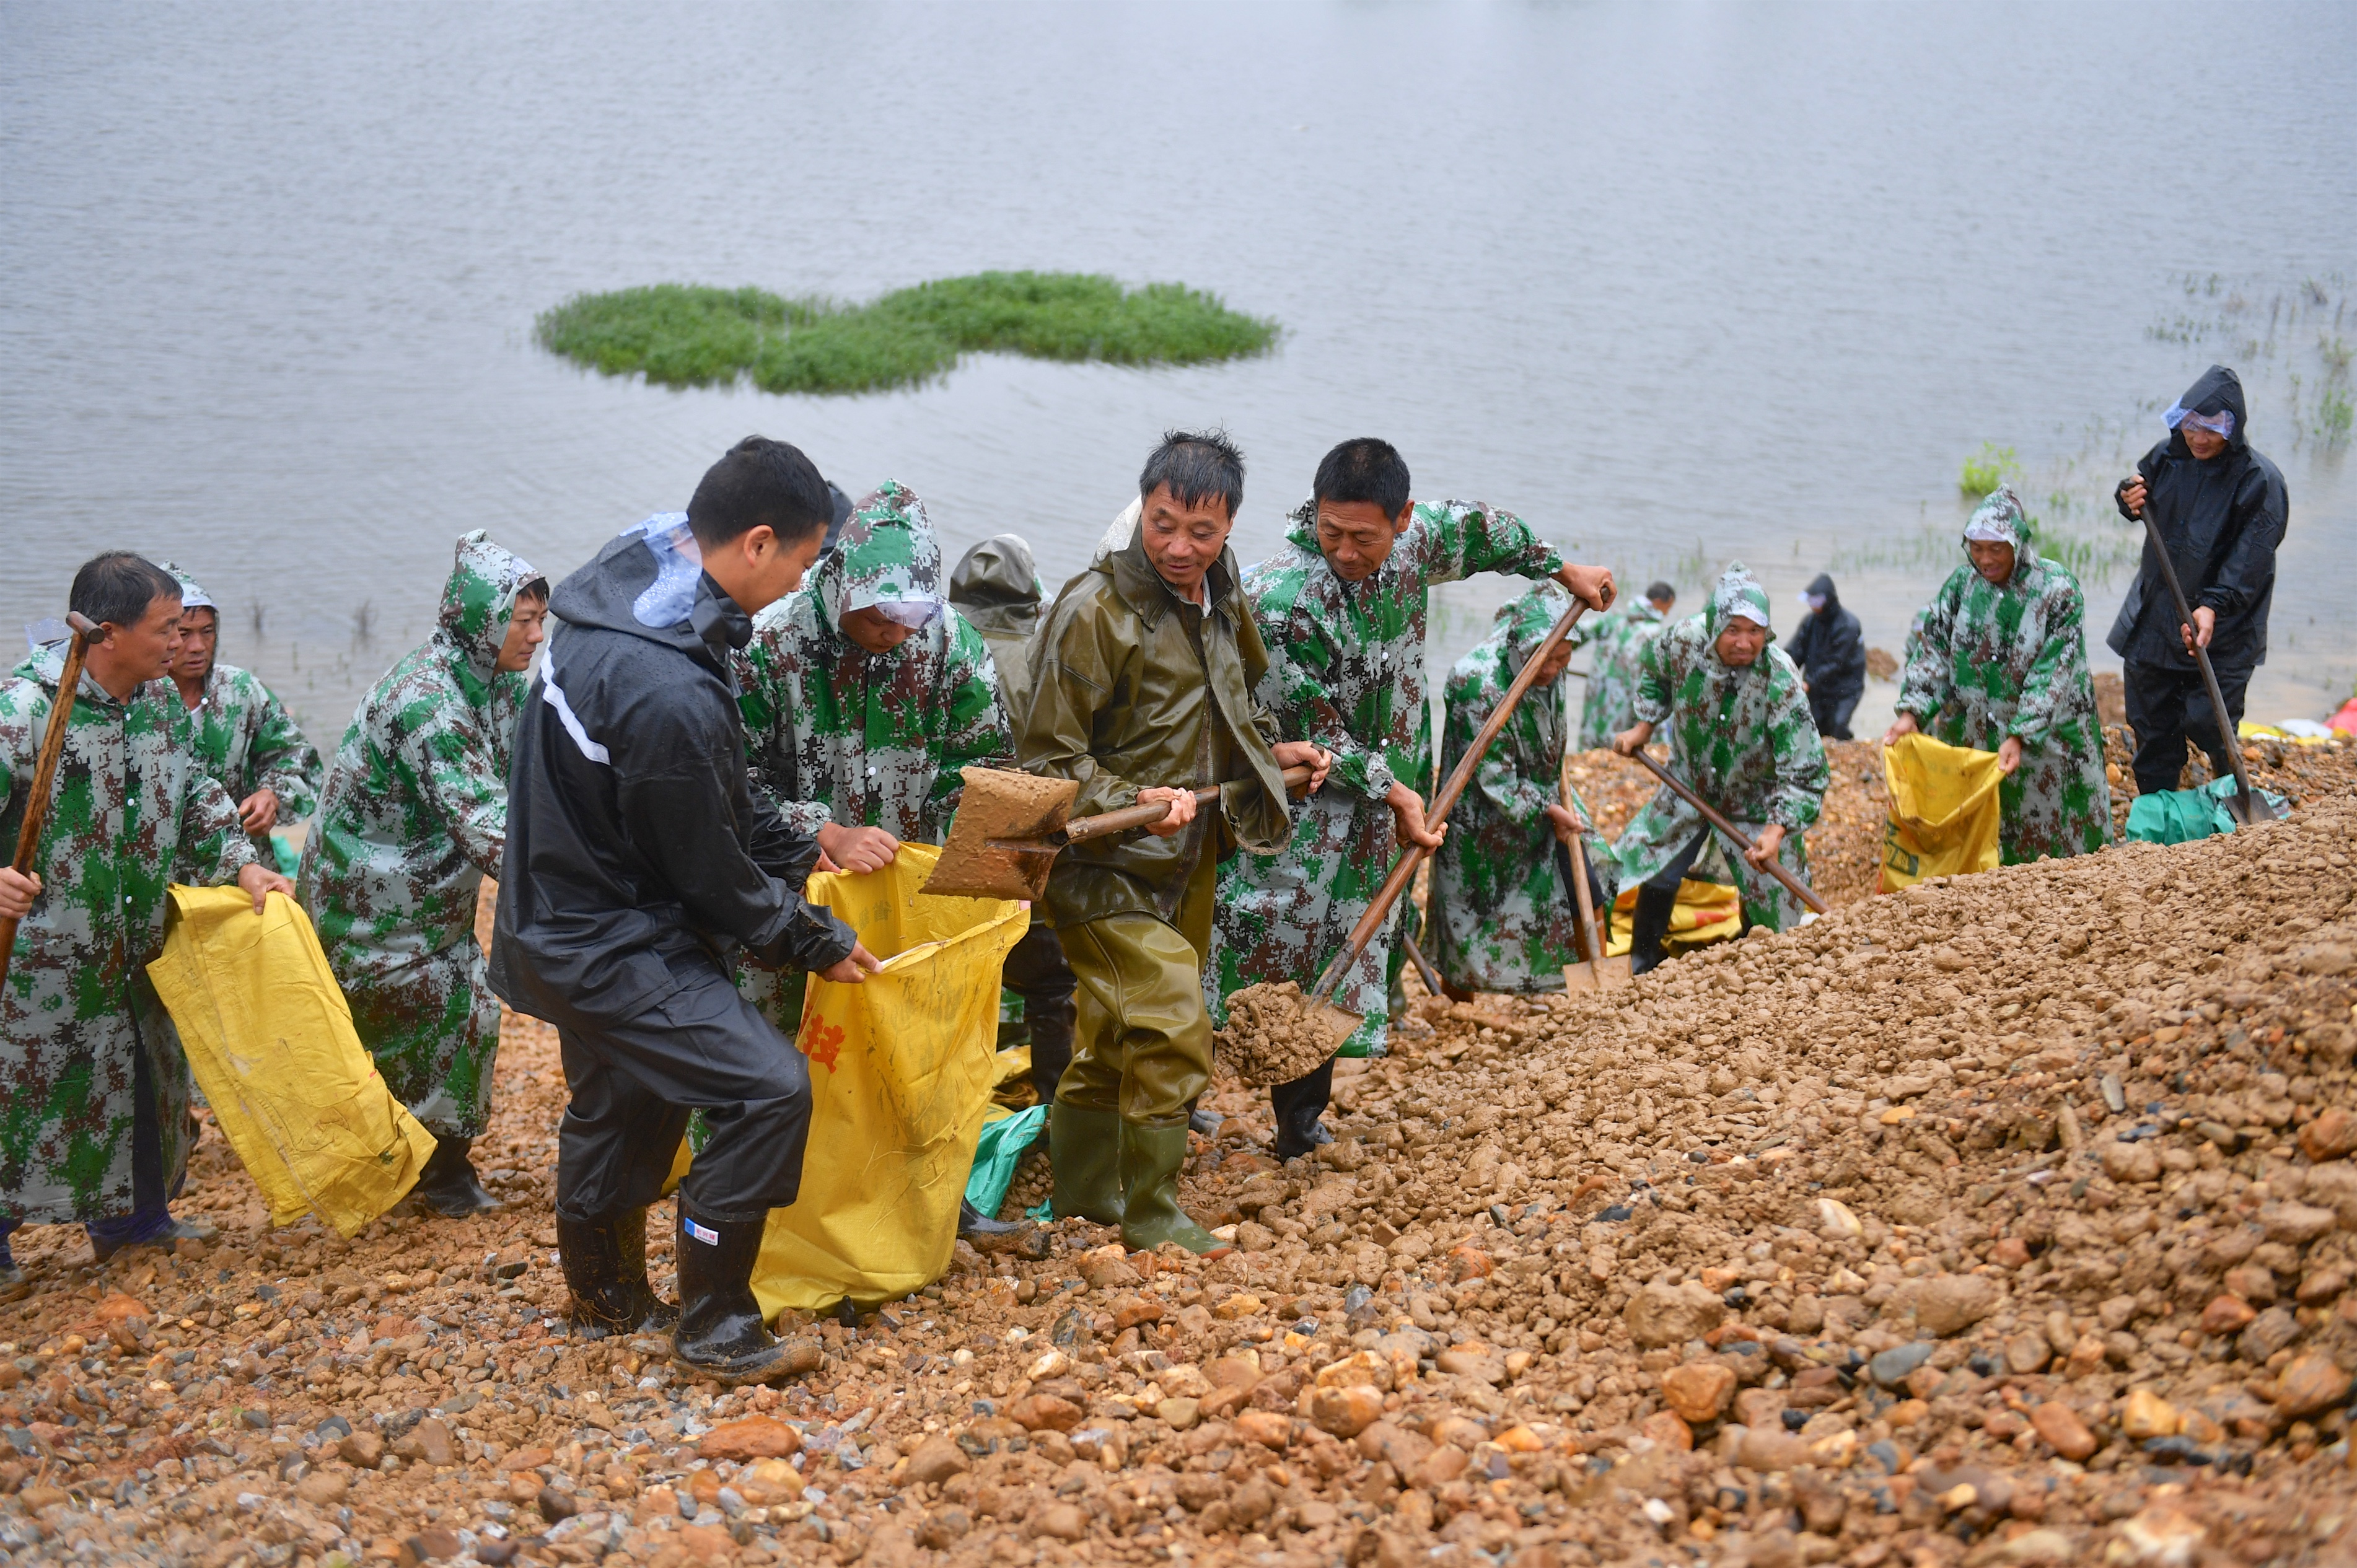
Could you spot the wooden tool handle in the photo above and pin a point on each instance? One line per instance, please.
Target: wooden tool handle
(45, 770)
(1582, 900)
(1432, 982)
(1146, 816)
(1403, 870)
(2226, 732)
(1798, 888)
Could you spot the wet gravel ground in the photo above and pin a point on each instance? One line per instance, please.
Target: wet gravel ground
(2005, 1221)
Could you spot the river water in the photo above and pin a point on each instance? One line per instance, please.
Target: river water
(1676, 282)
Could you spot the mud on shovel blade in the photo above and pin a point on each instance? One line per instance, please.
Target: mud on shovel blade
(2248, 805)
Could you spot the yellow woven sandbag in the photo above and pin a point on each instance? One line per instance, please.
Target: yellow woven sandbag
(901, 1072)
(271, 1041)
(1943, 811)
(1707, 912)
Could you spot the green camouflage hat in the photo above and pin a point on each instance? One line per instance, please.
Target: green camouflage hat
(887, 559)
(1738, 593)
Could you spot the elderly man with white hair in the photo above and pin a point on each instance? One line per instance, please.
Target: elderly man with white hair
(1742, 737)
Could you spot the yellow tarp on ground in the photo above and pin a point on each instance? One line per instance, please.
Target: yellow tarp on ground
(901, 1072)
(1707, 912)
(271, 1041)
(1943, 811)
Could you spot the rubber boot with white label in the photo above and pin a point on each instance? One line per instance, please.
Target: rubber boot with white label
(721, 1333)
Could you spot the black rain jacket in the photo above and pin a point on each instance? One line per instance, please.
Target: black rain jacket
(1830, 647)
(2223, 521)
(638, 857)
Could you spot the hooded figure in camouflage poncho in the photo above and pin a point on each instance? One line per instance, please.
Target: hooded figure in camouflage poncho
(93, 1090)
(864, 693)
(1610, 706)
(1741, 737)
(1503, 917)
(2000, 664)
(412, 819)
(241, 732)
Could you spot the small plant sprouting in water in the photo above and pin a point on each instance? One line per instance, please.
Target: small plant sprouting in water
(2335, 413)
(364, 621)
(254, 610)
(1990, 467)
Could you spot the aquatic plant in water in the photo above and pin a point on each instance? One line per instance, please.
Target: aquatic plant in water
(1986, 469)
(682, 335)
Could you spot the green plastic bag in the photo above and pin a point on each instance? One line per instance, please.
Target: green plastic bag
(2181, 816)
(1002, 1144)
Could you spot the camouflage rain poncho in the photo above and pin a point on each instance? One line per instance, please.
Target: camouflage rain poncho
(1991, 662)
(1743, 739)
(1502, 914)
(1620, 642)
(130, 803)
(1346, 671)
(414, 817)
(836, 733)
(246, 738)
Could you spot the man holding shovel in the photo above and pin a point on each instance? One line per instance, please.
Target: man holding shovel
(92, 1084)
(1143, 682)
(1342, 608)
(2220, 509)
(1742, 739)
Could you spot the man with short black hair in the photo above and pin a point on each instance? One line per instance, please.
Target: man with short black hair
(1143, 682)
(241, 732)
(640, 862)
(1342, 609)
(93, 1089)
(412, 819)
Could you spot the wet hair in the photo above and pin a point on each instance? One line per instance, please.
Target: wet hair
(1197, 468)
(1363, 469)
(1661, 591)
(536, 589)
(119, 587)
(758, 483)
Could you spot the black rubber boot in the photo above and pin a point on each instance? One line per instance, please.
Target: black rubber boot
(1650, 926)
(605, 1263)
(1296, 1107)
(985, 1233)
(448, 1184)
(721, 1333)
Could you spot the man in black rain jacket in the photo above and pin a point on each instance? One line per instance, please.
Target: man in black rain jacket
(639, 866)
(2221, 508)
(1830, 649)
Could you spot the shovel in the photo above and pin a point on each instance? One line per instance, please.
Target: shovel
(1011, 825)
(1318, 1006)
(45, 768)
(1735, 836)
(1594, 972)
(2248, 805)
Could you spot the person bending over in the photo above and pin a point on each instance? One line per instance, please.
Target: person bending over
(640, 862)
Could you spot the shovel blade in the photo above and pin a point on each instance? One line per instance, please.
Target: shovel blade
(2257, 808)
(1602, 975)
(1334, 1024)
(1001, 815)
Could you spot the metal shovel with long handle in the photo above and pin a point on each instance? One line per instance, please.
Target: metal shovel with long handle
(45, 770)
(1319, 1003)
(1735, 836)
(2248, 805)
(1594, 969)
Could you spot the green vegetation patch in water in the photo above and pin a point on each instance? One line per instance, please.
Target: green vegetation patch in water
(684, 335)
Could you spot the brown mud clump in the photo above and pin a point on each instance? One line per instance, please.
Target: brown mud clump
(1271, 1038)
(2006, 1220)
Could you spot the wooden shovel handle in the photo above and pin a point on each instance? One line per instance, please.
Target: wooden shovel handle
(1146, 816)
(45, 770)
(1798, 888)
(1582, 900)
(1403, 870)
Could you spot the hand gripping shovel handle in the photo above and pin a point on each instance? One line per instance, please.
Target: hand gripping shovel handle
(1403, 869)
(1153, 812)
(2226, 734)
(45, 770)
(1798, 888)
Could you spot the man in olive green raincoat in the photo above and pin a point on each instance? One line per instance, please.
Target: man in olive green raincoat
(1741, 737)
(1142, 692)
(412, 819)
(93, 1090)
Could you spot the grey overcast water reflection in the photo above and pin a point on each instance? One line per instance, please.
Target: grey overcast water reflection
(1677, 282)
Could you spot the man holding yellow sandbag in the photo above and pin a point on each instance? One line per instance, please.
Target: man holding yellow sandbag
(2000, 664)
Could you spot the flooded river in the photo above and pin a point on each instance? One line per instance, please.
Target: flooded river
(1678, 283)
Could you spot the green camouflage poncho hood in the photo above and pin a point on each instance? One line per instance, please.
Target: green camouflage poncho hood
(1522, 624)
(2001, 519)
(887, 559)
(479, 600)
(1738, 593)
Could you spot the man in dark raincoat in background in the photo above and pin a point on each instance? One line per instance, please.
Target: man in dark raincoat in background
(2221, 508)
(1142, 691)
(640, 862)
(1829, 649)
(996, 588)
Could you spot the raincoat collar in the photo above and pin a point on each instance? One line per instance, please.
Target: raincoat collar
(1142, 588)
